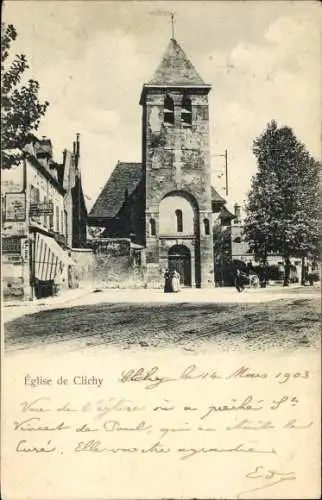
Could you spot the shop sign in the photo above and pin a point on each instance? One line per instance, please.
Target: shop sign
(25, 249)
(37, 209)
(11, 246)
(14, 259)
(15, 207)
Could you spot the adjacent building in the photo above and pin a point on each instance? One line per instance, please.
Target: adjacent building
(231, 250)
(39, 205)
(69, 176)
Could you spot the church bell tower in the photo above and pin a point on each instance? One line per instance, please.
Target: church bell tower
(176, 171)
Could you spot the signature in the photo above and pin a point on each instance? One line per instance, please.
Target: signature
(270, 477)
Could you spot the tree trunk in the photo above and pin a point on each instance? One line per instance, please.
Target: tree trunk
(287, 271)
(263, 277)
(303, 271)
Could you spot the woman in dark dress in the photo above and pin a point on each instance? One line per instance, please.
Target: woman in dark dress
(167, 282)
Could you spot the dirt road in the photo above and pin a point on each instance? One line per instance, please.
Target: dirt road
(290, 323)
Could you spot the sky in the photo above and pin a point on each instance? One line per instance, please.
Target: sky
(91, 59)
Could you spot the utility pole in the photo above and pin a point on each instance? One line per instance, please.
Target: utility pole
(172, 25)
(222, 235)
(226, 170)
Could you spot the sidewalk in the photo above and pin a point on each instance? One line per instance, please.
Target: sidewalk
(13, 309)
(63, 297)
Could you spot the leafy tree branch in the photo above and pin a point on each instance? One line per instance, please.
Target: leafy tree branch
(21, 109)
(283, 207)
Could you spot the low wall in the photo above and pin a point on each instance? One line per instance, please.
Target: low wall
(85, 260)
(153, 276)
(117, 272)
(108, 268)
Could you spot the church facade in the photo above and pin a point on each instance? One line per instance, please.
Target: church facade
(166, 203)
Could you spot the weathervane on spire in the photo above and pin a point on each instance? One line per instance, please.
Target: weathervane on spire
(172, 24)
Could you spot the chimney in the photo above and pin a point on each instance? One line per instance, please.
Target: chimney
(77, 145)
(76, 151)
(237, 213)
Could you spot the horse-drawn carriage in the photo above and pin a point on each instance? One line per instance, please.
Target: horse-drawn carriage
(244, 280)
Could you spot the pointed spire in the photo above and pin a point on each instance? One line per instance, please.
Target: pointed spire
(175, 68)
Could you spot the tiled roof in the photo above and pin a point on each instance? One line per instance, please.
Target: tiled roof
(215, 196)
(226, 214)
(125, 177)
(175, 68)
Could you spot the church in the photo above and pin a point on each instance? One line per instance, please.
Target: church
(165, 205)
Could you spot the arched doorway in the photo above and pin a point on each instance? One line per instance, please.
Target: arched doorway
(179, 259)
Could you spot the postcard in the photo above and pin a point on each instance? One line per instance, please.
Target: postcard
(160, 188)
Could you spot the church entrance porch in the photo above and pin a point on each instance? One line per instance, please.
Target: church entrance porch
(179, 259)
(179, 254)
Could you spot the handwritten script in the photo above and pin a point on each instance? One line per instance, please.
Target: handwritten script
(226, 418)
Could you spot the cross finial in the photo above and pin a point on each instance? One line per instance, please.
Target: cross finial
(172, 24)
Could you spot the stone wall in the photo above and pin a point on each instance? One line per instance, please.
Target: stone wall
(153, 276)
(84, 259)
(109, 264)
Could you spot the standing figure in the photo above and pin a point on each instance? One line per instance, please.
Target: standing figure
(70, 277)
(239, 281)
(175, 281)
(167, 282)
(178, 281)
